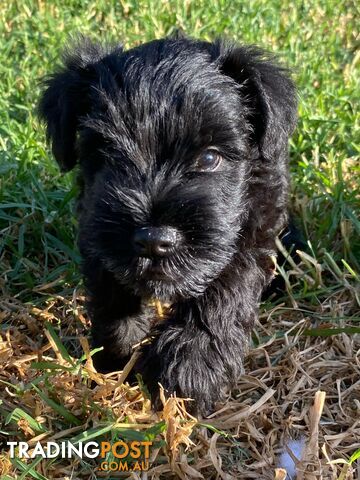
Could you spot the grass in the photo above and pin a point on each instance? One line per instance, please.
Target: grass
(316, 39)
(38, 258)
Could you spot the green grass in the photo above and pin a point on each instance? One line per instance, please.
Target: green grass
(317, 39)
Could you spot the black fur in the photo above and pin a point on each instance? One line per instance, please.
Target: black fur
(136, 122)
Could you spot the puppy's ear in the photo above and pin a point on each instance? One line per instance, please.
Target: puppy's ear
(269, 92)
(65, 98)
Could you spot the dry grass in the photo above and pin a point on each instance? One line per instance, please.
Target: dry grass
(306, 343)
(302, 382)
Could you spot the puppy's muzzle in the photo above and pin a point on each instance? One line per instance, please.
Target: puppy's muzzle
(156, 241)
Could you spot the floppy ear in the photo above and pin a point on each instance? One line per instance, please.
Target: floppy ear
(269, 92)
(66, 97)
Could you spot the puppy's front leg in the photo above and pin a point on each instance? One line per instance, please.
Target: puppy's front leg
(119, 318)
(199, 351)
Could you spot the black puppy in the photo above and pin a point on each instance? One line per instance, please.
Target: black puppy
(182, 148)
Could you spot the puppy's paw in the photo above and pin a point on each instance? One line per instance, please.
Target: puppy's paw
(200, 396)
(185, 374)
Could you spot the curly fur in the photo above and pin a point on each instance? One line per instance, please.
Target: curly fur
(134, 121)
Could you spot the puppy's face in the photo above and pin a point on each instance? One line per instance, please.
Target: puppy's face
(165, 137)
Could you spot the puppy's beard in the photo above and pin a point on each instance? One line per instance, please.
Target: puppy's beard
(153, 278)
(183, 275)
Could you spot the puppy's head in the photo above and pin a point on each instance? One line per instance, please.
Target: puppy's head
(166, 135)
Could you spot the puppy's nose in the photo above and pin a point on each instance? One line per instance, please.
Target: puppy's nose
(156, 241)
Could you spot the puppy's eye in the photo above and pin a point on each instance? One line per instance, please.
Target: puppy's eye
(208, 161)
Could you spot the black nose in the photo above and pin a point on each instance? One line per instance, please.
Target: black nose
(156, 241)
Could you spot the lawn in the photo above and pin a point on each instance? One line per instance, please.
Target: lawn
(305, 341)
